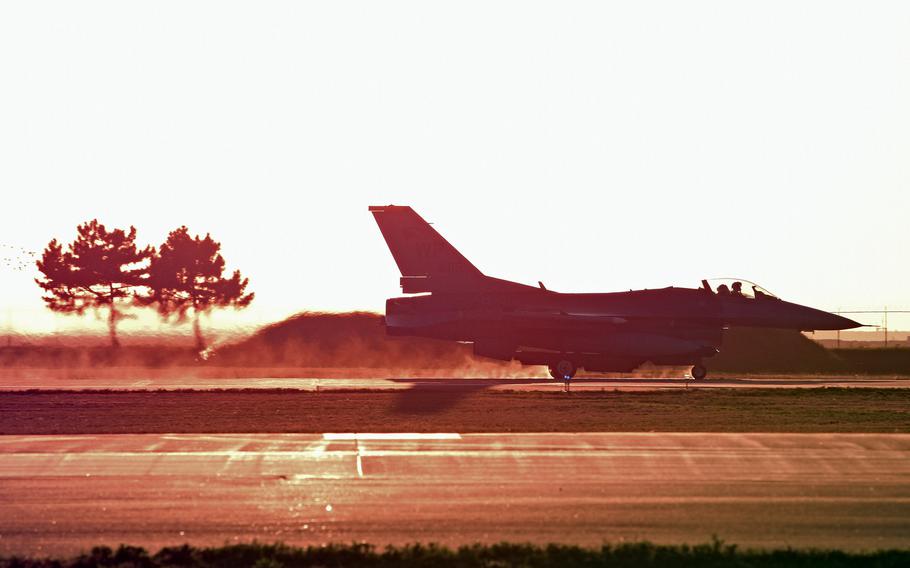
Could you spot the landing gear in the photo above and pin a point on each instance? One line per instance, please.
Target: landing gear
(699, 371)
(563, 370)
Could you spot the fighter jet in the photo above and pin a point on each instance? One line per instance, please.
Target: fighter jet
(449, 298)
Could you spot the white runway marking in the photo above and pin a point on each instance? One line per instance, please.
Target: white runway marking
(384, 436)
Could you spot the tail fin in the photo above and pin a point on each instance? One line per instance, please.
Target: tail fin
(427, 261)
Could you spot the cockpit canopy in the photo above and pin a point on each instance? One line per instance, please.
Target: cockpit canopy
(736, 287)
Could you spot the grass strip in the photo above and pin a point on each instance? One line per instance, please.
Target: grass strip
(642, 554)
(456, 410)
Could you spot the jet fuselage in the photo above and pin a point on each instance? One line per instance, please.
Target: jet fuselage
(609, 331)
(601, 332)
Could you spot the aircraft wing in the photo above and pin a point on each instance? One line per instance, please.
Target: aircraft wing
(563, 316)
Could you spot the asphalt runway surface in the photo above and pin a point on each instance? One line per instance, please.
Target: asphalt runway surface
(62, 494)
(88, 382)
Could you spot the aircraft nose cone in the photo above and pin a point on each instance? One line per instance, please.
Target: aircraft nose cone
(810, 319)
(823, 320)
(840, 322)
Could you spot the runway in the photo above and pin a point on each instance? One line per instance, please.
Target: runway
(167, 381)
(61, 494)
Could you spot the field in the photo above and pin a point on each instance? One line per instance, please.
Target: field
(455, 410)
(230, 448)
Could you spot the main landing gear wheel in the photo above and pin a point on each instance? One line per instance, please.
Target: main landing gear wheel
(563, 370)
(699, 371)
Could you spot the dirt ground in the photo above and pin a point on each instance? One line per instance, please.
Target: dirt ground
(455, 410)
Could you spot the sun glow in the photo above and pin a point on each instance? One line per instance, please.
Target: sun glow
(602, 148)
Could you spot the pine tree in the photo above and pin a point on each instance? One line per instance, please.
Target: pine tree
(186, 277)
(99, 270)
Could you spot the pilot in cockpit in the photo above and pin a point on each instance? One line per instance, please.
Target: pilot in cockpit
(722, 290)
(738, 289)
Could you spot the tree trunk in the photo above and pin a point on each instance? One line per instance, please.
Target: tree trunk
(112, 326)
(200, 341)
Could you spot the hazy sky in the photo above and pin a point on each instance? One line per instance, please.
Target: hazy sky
(594, 146)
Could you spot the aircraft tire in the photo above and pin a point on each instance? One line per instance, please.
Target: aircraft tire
(699, 371)
(563, 370)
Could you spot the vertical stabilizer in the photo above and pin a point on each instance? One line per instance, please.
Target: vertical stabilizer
(426, 260)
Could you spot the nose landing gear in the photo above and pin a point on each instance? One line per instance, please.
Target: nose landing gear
(563, 370)
(699, 371)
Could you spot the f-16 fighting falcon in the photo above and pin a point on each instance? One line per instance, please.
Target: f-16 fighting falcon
(598, 332)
